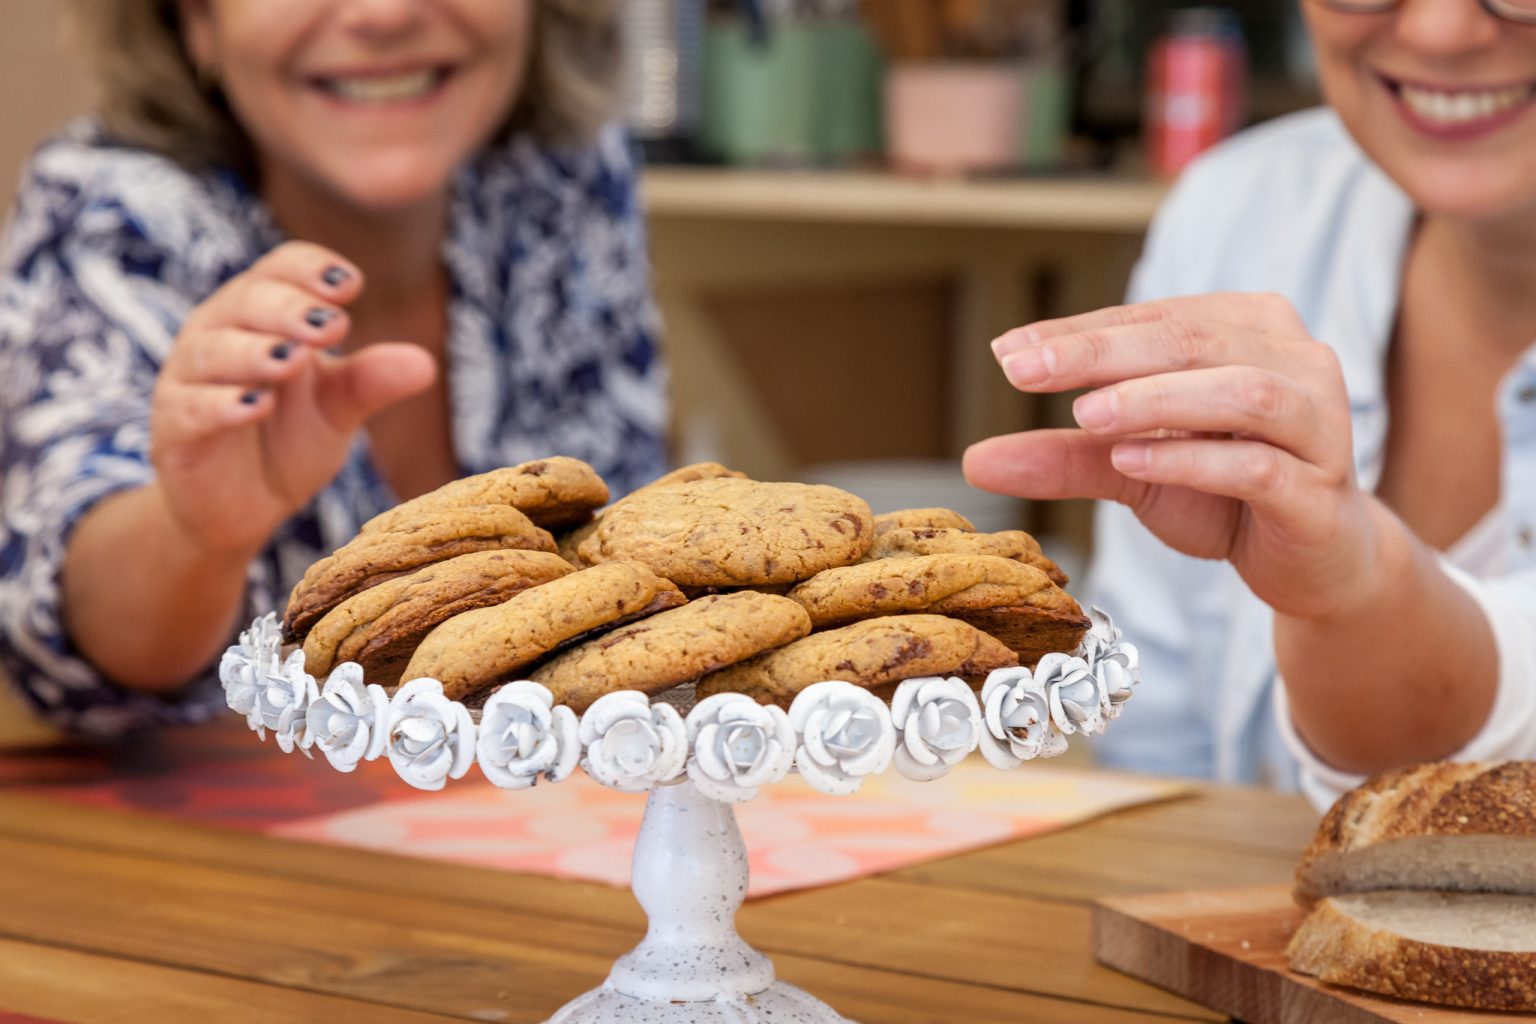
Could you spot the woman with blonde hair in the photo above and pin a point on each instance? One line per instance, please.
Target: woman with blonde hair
(310, 257)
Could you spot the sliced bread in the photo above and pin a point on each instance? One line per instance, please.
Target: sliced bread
(1443, 826)
(1474, 950)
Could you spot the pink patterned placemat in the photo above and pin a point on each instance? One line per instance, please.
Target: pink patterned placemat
(222, 775)
(796, 837)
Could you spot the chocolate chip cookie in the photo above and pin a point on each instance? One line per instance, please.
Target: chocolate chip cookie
(481, 648)
(907, 541)
(1013, 601)
(555, 493)
(673, 647)
(906, 518)
(876, 654)
(923, 583)
(1032, 633)
(405, 546)
(570, 542)
(732, 532)
(381, 627)
(693, 473)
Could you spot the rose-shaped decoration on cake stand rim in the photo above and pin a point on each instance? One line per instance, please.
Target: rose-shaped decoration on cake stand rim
(631, 744)
(524, 735)
(1113, 660)
(282, 702)
(939, 721)
(431, 739)
(258, 653)
(349, 722)
(1017, 716)
(845, 734)
(738, 746)
(1076, 694)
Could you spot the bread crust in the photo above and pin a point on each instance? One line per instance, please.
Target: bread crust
(1335, 946)
(1438, 799)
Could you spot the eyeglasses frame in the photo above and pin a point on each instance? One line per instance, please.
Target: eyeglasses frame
(1493, 7)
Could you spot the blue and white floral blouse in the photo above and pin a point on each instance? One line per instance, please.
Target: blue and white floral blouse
(552, 350)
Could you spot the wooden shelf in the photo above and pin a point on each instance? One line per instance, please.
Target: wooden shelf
(1084, 204)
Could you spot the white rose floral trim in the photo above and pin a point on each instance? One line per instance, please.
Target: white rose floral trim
(430, 739)
(845, 734)
(1017, 715)
(730, 747)
(349, 723)
(738, 746)
(258, 653)
(1077, 695)
(282, 700)
(631, 744)
(1115, 663)
(939, 721)
(524, 735)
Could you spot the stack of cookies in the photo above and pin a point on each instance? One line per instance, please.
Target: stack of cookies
(702, 577)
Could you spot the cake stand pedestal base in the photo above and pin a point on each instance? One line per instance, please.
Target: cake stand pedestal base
(690, 875)
(780, 1003)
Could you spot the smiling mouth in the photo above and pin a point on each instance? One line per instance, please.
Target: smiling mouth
(1460, 108)
(402, 87)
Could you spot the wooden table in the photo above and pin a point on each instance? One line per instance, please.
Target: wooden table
(107, 916)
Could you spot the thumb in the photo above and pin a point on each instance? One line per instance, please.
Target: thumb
(355, 387)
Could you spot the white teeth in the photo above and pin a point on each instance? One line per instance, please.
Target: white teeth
(1462, 107)
(384, 88)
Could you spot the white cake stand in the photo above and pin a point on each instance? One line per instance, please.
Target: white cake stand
(692, 966)
(695, 759)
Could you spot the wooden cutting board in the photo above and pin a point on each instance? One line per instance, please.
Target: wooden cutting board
(1225, 949)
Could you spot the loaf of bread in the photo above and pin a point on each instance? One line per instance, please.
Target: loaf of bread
(1441, 826)
(1422, 885)
(1476, 950)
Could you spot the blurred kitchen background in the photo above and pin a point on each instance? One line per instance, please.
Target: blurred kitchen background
(849, 199)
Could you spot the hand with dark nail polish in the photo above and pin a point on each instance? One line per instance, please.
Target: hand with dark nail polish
(282, 350)
(335, 276)
(319, 316)
(250, 397)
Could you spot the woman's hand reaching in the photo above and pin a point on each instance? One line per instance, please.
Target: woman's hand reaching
(252, 414)
(1221, 423)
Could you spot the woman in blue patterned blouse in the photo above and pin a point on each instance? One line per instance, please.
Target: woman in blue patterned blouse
(310, 257)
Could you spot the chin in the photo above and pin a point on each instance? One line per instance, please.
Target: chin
(1454, 189)
(383, 186)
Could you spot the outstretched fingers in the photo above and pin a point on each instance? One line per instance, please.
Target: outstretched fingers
(1244, 401)
(1260, 475)
(185, 414)
(1045, 465)
(353, 388)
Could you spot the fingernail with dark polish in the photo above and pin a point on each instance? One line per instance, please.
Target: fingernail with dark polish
(282, 350)
(334, 276)
(319, 316)
(250, 397)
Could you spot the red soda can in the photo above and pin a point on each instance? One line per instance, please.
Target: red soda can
(1196, 75)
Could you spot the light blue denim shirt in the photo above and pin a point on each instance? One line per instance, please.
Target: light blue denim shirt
(1295, 207)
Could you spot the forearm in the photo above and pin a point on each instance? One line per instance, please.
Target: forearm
(143, 603)
(1411, 676)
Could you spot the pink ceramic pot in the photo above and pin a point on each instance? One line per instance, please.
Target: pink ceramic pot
(954, 117)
